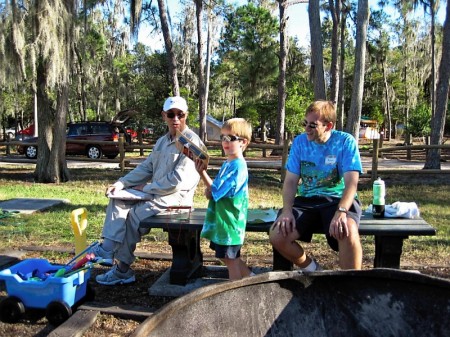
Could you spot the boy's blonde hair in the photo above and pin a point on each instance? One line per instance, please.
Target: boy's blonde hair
(239, 127)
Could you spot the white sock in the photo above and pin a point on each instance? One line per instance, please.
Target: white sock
(252, 274)
(311, 267)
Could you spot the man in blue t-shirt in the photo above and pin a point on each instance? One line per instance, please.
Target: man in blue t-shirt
(323, 169)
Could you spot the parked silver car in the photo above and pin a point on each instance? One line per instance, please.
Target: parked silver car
(9, 133)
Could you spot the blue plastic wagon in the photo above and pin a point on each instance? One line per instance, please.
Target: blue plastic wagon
(32, 283)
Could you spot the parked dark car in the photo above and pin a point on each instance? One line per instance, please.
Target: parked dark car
(91, 131)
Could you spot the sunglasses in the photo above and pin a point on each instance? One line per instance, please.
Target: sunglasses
(230, 138)
(172, 114)
(310, 125)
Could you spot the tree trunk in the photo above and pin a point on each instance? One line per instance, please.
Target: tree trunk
(172, 60)
(433, 57)
(52, 166)
(354, 116)
(433, 159)
(317, 72)
(341, 100)
(406, 107)
(335, 9)
(201, 71)
(282, 75)
(388, 104)
(208, 57)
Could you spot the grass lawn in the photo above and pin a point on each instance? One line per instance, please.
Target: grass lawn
(86, 189)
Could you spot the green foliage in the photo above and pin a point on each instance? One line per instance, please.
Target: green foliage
(106, 74)
(15, 104)
(372, 109)
(250, 113)
(90, 114)
(147, 82)
(248, 52)
(299, 97)
(420, 120)
(192, 102)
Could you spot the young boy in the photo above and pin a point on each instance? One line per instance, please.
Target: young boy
(226, 216)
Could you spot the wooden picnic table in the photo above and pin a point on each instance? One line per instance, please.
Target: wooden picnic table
(184, 237)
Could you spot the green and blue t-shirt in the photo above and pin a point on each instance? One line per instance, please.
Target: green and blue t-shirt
(226, 216)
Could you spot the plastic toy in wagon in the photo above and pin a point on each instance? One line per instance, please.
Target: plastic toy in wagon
(38, 284)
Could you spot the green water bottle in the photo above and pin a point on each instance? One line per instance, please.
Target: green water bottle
(378, 202)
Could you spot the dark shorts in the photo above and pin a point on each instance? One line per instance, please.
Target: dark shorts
(226, 252)
(314, 215)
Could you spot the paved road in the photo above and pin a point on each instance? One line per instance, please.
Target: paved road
(397, 164)
(21, 161)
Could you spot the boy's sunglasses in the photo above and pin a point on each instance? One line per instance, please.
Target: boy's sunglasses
(172, 114)
(230, 138)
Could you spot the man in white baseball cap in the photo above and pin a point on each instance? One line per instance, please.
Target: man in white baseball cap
(176, 102)
(168, 178)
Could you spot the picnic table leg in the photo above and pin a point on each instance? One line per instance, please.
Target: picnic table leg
(388, 250)
(280, 262)
(187, 257)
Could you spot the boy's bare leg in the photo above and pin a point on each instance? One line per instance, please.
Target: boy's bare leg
(234, 268)
(245, 270)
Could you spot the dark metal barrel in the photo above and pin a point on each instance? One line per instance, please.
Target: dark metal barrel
(377, 302)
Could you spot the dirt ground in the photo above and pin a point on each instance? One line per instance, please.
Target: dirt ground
(149, 270)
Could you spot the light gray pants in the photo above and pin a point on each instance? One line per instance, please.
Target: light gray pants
(122, 225)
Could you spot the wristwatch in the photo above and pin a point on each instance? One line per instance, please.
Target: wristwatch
(342, 209)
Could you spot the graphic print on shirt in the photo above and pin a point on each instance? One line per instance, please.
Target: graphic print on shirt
(314, 176)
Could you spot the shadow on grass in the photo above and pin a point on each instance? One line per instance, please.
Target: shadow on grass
(81, 174)
(92, 208)
(17, 174)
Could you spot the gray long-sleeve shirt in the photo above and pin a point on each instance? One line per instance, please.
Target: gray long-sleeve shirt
(169, 175)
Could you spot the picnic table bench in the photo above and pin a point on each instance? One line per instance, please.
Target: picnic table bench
(184, 238)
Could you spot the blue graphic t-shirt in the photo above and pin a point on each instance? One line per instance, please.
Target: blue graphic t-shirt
(321, 167)
(226, 216)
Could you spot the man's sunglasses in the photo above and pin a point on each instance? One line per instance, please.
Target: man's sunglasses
(172, 114)
(310, 125)
(230, 138)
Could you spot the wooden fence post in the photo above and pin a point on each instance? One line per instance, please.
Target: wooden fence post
(284, 157)
(375, 160)
(408, 142)
(8, 152)
(141, 142)
(122, 152)
(264, 141)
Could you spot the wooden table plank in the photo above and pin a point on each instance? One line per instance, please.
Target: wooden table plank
(395, 229)
(76, 325)
(368, 225)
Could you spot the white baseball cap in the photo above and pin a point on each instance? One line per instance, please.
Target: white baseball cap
(176, 102)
